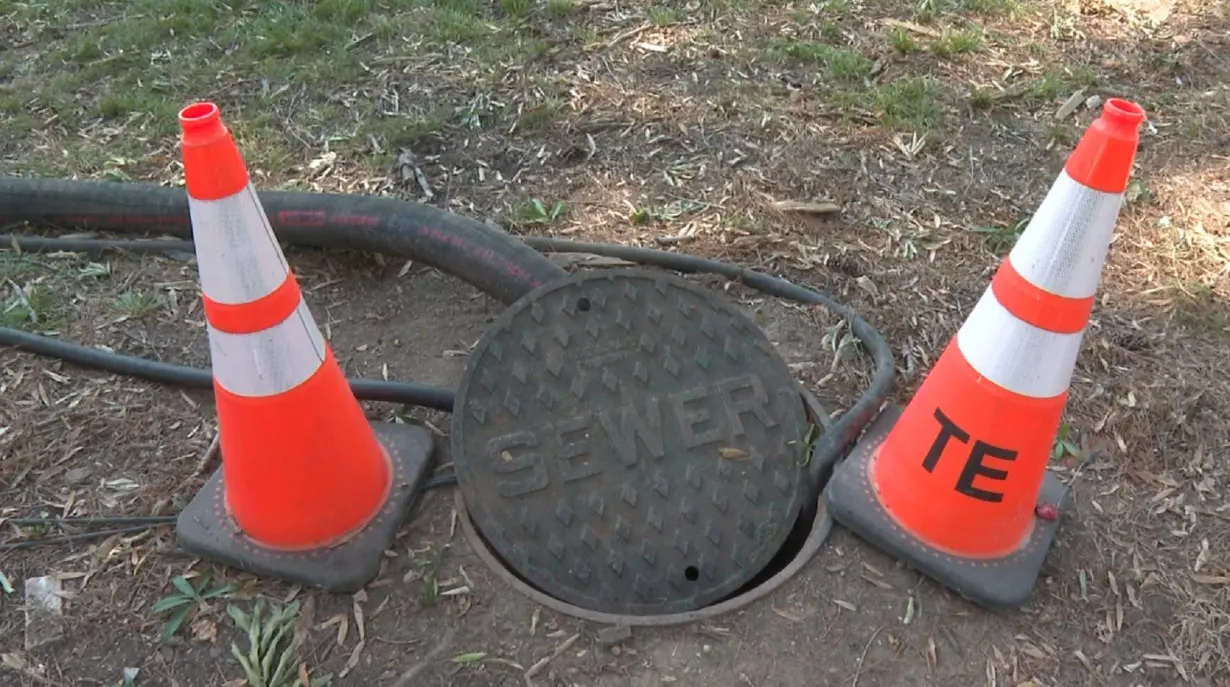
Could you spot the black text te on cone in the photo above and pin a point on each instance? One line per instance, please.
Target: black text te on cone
(956, 483)
(309, 491)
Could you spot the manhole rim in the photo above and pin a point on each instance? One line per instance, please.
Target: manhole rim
(822, 525)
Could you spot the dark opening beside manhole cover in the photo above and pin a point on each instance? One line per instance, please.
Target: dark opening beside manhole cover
(630, 443)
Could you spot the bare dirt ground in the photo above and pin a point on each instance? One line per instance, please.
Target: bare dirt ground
(932, 126)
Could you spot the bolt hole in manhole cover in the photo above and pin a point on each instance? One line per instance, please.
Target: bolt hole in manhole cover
(629, 442)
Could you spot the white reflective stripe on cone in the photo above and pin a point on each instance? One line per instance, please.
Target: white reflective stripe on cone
(271, 361)
(237, 254)
(1064, 247)
(1016, 355)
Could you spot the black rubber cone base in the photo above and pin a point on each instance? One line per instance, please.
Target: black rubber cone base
(998, 584)
(205, 529)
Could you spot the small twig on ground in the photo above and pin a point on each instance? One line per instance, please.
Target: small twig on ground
(823, 207)
(206, 458)
(1211, 52)
(201, 465)
(625, 35)
(407, 678)
(542, 662)
(858, 671)
(911, 26)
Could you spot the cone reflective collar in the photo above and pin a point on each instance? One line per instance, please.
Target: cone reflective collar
(952, 488)
(303, 471)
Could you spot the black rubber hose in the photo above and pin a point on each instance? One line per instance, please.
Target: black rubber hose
(408, 393)
(124, 524)
(830, 444)
(489, 258)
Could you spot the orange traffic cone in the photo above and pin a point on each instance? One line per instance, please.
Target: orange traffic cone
(956, 484)
(308, 491)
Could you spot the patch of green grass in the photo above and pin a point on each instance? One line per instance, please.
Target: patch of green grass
(1050, 86)
(137, 304)
(981, 98)
(17, 127)
(836, 9)
(427, 567)
(272, 655)
(953, 43)
(479, 112)
(10, 104)
(39, 306)
(1060, 83)
(16, 266)
(837, 62)
(534, 211)
(828, 29)
(516, 8)
(409, 129)
(1192, 130)
(186, 600)
(902, 42)
(1000, 239)
(425, 121)
(986, 6)
(911, 103)
(907, 104)
(664, 16)
(583, 34)
(459, 22)
(928, 10)
(559, 8)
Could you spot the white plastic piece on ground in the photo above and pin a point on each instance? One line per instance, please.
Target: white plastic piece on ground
(44, 611)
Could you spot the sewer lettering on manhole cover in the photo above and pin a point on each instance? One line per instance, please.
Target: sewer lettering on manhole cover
(630, 443)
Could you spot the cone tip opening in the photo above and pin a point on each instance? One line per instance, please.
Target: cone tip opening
(200, 117)
(1123, 114)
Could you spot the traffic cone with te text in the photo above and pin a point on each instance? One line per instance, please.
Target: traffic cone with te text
(956, 483)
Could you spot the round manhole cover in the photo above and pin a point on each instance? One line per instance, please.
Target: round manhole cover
(630, 443)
